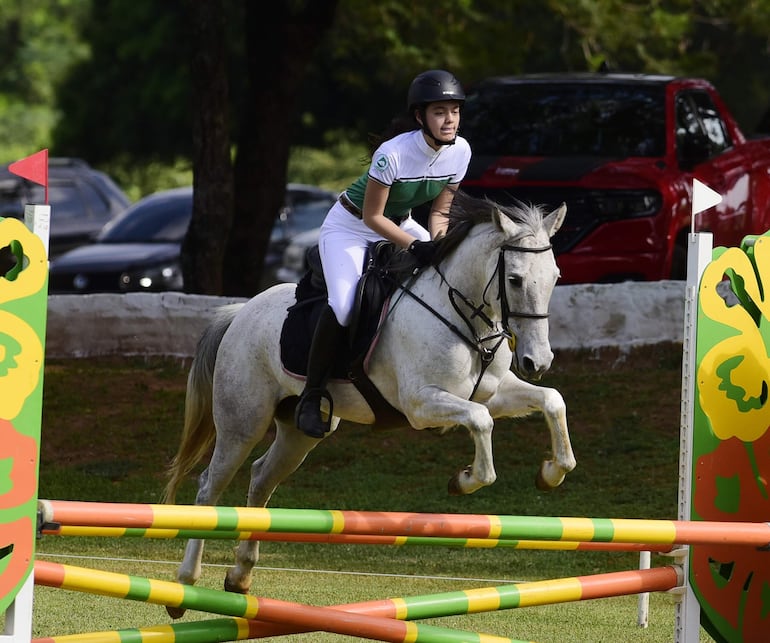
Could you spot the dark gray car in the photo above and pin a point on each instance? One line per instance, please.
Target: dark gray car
(139, 251)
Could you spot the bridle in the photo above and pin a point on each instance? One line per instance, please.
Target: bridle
(505, 309)
(476, 341)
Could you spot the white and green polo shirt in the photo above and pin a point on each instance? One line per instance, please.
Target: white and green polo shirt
(413, 170)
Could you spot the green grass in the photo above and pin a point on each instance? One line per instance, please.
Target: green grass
(110, 426)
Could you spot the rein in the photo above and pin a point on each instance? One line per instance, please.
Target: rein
(477, 342)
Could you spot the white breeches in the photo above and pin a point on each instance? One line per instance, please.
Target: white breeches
(342, 245)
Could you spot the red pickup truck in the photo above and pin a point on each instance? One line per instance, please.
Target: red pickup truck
(621, 151)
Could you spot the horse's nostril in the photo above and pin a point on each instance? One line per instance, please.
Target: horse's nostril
(528, 365)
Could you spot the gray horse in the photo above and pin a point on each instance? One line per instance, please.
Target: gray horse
(459, 346)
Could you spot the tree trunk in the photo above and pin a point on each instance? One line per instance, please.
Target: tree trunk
(279, 46)
(203, 248)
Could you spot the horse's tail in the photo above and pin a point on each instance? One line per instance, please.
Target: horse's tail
(198, 433)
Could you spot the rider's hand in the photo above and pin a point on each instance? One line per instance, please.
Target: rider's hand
(422, 251)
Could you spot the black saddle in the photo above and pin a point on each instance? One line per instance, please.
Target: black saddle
(386, 267)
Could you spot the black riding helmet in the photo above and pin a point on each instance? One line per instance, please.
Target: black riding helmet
(433, 86)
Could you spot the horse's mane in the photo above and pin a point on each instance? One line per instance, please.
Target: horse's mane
(465, 213)
(468, 211)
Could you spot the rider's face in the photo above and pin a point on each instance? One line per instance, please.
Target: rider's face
(442, 120)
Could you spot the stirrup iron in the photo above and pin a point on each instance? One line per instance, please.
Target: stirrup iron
(309, 404)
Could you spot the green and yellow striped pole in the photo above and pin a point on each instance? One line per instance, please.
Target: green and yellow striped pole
(349, 539)
(210, 630)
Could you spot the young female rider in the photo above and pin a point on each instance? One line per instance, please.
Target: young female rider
(415, 167)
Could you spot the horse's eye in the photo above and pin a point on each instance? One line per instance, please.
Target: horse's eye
(515, 280)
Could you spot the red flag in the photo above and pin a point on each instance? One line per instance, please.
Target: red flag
(33, 168)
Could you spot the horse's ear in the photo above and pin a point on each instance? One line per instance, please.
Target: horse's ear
(503, 222)
(553, 221)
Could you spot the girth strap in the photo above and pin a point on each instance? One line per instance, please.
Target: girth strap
(385, 414)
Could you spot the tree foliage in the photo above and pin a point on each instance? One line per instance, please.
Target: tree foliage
(131, 98)
(39, 42)
(726, 41)
(122, 67)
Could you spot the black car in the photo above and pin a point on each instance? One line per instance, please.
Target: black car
(139, 251)
(82, 200)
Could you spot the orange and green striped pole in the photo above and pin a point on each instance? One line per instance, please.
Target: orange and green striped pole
(669, 532)
(399, 609)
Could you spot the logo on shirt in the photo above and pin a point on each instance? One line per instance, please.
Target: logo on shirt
(381, 163)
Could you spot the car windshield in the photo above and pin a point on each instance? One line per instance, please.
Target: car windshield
(566, 119)
(162, 220)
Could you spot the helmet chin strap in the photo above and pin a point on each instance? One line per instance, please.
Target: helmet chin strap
(425, 129)
(437, 141)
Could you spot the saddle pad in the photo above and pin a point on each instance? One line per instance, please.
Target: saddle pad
(373, 298)
(377, 284)
(297, 332)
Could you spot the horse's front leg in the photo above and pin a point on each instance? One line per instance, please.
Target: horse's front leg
(515, 397)
(437, 407)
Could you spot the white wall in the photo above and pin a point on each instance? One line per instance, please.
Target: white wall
(627, 314)
(131, 324)
(583, 316)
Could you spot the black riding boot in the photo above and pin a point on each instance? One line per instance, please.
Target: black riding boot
(327, 340)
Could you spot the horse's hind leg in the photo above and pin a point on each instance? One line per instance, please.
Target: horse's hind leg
(189, 570)
(285, 455)
(227, 457)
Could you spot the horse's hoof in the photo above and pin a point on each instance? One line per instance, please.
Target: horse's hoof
(540, 482)
(454, 486)
(175, 612)
(232, 587)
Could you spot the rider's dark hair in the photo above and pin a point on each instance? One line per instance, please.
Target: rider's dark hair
(403, 122)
